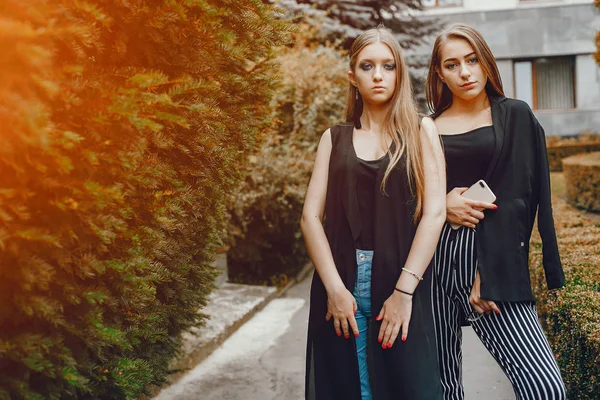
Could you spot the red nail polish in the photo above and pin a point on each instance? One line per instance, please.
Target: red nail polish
(356, 335)
(377, 318)
(383, 346)
(346, 336)
(495, 207)
(404, 339)
(389, 346)
(379, 340)
(497, 312)
(339, 334)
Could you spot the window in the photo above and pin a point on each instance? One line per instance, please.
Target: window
(441, 3)
(546, 83)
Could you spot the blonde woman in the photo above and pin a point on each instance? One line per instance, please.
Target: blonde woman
(379, 184)
(481, 270)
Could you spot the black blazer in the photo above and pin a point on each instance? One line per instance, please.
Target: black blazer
(519, 176)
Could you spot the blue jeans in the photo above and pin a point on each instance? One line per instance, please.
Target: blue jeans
(362, 294)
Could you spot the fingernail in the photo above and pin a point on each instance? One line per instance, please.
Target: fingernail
(377, 318)
(356, 335)
(379, 340)
(346, 336)
(403, 339)
(389, 346)
(383, 346)
(495, 208)
(339, 334)
(497, 312)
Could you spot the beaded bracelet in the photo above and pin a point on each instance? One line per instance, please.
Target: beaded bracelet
(413, 274)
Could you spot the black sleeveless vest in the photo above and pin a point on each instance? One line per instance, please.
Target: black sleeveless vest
(408, 370)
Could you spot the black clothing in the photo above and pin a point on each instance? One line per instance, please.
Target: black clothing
(519, 176)
(409, 369)
(468, 156)
(366, 183)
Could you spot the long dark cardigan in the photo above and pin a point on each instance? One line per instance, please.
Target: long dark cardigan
(408, 370)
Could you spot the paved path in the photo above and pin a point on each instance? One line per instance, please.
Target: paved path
(264, 360)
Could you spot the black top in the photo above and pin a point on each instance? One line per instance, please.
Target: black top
(468, 156)
(408, 370)
(518, 174)
(366, 187)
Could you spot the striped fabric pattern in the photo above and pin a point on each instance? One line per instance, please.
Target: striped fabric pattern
(514, 337)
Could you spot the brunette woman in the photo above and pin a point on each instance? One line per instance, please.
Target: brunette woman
(481, 271)
(379, 184)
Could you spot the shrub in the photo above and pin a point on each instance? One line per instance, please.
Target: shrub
(559, 149)
(571, 315)
(266, 241)
(124, 125)
(582, 176)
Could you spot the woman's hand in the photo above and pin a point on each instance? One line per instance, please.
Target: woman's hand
(480, 305)
(463, 211)
(395, 313)
(341, 305)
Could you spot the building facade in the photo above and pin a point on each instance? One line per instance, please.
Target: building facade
(544, 50)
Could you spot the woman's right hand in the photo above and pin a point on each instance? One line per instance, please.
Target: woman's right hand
(463, 211)
(341, 305)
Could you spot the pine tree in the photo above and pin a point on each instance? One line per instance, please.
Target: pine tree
(346, 19)
(124, 125)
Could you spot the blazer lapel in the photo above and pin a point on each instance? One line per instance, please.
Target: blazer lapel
(498, 121)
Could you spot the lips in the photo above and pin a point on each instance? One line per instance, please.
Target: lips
(378, 87)
(468, 85)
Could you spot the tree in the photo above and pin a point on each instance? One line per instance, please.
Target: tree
(267, 245)
(124, 126)
(346, 19)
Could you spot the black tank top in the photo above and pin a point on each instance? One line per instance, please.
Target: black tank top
(366, 182)
(468, 156)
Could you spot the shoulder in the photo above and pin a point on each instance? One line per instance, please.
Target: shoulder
(427, 127)
(518, 108)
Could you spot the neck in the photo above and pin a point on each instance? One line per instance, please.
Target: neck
(469, 106)
(372, 118)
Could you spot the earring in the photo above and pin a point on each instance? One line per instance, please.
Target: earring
(356, 93)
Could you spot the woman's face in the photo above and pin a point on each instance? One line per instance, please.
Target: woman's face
(375, 73)
(460, 69)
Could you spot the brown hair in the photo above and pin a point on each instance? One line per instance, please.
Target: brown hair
(439, 97)
(401, 122)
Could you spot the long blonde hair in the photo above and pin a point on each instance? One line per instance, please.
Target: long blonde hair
(401, 121)
(439, 97)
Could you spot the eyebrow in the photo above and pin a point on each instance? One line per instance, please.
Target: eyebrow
(371, 61)
(467, 56)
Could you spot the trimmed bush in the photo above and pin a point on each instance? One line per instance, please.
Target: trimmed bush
(560, 150)
(266, 241)
(571, 315)
(125, 124)
(582, 176)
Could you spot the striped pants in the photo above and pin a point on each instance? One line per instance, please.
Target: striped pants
(514, 337)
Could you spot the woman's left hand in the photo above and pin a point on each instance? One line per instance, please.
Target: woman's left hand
(395, 313)
(481, 305)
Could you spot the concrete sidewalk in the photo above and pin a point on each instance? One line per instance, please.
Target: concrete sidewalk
(233, 305)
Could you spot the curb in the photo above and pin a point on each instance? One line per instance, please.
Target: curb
(184, 365)
(203, 352)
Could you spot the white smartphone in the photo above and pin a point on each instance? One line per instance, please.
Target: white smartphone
(479, 191)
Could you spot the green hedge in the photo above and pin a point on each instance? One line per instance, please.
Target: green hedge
(582, 176)
(558, 151)
(266, 241)
(124, 126)
(571, 315)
